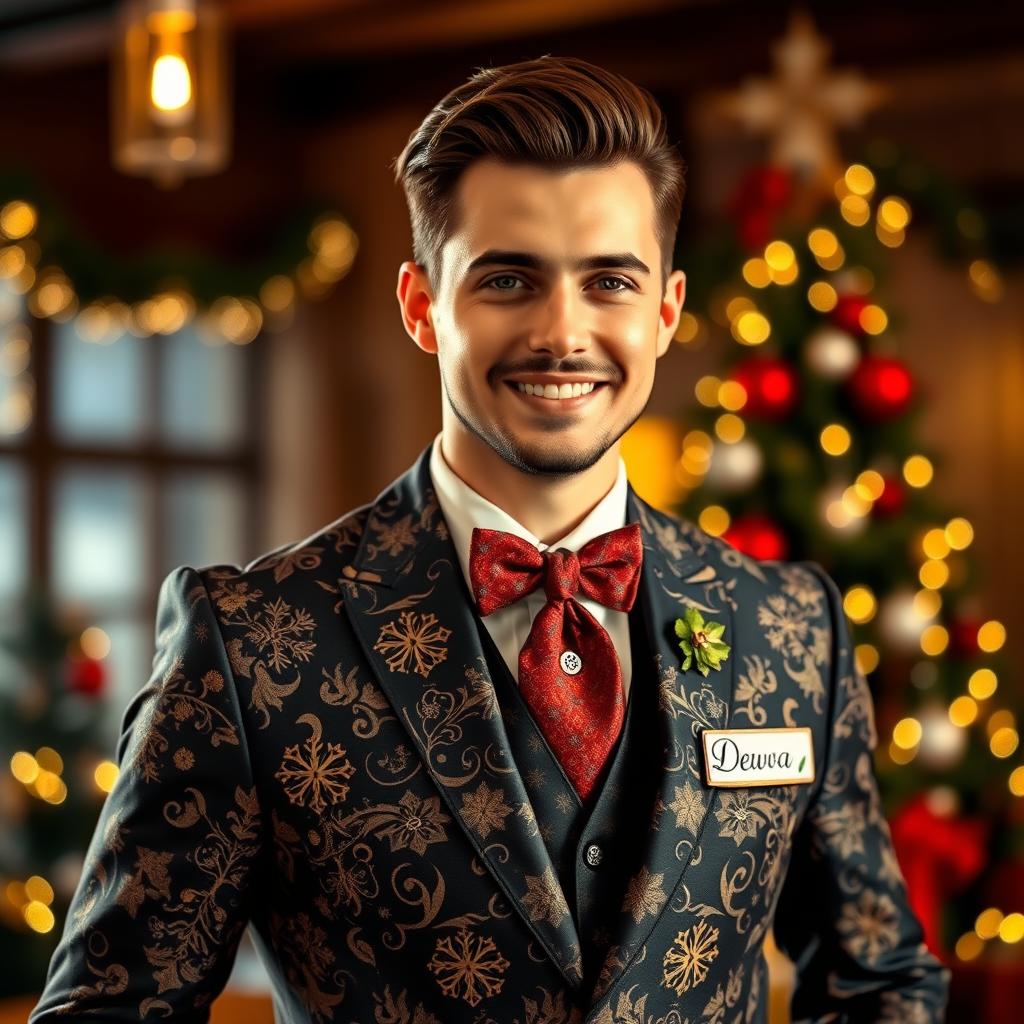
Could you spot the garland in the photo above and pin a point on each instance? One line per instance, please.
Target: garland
(65, 275)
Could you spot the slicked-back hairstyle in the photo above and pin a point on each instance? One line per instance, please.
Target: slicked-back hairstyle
(557, 112)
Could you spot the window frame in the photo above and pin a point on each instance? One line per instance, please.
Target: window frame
(41, 452)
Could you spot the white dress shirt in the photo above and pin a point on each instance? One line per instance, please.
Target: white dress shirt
(463, 508)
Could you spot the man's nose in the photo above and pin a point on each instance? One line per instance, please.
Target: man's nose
(562, 323)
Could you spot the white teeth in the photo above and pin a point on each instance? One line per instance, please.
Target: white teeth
(557, 391)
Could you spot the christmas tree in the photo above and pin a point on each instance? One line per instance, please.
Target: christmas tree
(51, 682)
(805, 447)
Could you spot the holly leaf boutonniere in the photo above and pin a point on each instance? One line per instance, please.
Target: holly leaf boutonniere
(701, 642)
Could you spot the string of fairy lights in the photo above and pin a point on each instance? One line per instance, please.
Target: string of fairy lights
(46, 291)
(41, 776)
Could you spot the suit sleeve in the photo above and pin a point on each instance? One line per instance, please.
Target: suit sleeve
(843, 915)
(155, 921)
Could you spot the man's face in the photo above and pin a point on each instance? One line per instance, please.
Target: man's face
(551, 279)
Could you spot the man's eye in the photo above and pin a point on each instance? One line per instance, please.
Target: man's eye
(618, 280)
(503, 277)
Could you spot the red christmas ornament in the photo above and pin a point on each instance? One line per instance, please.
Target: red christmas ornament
(86, 676)
(757, 536)
(938, 855)
(881, 387)
(755, 206)
(963, 635)
(892, 500)
(770, 385)
(846, 313)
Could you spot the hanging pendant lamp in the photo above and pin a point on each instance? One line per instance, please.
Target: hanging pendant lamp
(170, 90)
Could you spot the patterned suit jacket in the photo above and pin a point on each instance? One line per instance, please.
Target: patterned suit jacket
(319, 754)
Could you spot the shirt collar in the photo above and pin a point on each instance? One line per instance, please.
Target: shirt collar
(464, 508)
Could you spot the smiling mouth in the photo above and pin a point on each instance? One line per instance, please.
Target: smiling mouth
(554, 404)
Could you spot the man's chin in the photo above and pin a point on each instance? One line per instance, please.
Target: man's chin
(552, 457)
(538, 452)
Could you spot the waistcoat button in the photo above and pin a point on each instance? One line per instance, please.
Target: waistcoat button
(593, 855)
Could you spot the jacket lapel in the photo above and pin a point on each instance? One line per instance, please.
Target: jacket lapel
(674, 576)
(412, 612)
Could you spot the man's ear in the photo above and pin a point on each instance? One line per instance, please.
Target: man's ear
(671, 309)
(416, 299)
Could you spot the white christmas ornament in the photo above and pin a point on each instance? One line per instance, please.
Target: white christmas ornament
(943, 801)
(942, 743)
(832, 353)
(735, 466)
(898, 621)
(836, 514)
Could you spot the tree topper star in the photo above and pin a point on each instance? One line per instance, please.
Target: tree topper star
(701, 641)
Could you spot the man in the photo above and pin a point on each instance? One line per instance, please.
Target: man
(453, 757)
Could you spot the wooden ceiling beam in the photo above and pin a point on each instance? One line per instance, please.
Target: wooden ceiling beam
(400, 27)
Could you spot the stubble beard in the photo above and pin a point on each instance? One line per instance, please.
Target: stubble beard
(551, 459)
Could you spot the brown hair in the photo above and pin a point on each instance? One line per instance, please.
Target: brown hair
(559, 112)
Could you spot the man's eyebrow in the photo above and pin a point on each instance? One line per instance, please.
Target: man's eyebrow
(530, 261)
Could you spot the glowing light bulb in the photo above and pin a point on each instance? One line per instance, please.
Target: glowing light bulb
(170, 87)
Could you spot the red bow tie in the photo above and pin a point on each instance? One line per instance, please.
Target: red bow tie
(569, 670)
(504, 567)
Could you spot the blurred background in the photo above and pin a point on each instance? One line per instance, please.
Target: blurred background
(201, 358)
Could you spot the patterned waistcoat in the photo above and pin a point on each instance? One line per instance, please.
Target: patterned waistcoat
(596, 845)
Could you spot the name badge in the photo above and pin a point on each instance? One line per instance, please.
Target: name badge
(758, 757)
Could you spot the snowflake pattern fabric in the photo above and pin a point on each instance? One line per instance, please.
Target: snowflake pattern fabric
(320, 755)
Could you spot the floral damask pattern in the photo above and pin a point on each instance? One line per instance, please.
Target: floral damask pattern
(413, 643)
(309, 963)
(413, 823)
(645, 894)
(279, 635)
(688, 959)
(725, 998)
(395, 1009)
(869, 926)
(688, 807)
(182, 702)
(544, 899)
(320, 755)
(741, 813)
(485, 809)
(548, 1008)
(314, 773)
(790, 628)
(468, 966)
(756, 683)
(281, 631)
(368, 705)
(171, 858)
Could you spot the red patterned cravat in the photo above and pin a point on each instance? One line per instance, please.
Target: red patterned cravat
(569, 671)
